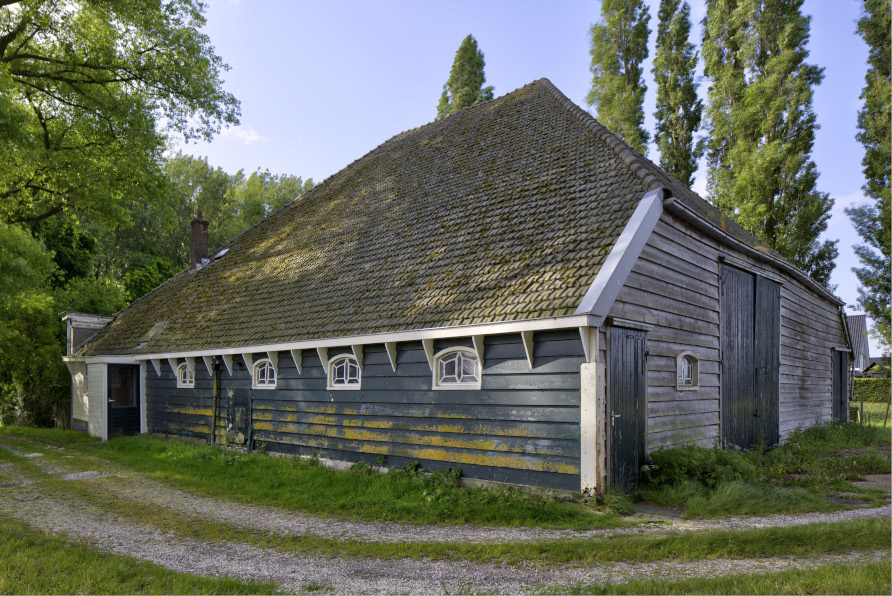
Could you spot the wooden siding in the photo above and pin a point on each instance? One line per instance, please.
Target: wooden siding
(185, 412)
(522, 426)
(674, 286)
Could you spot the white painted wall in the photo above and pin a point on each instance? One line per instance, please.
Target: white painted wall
(97, 403)
(79, 405)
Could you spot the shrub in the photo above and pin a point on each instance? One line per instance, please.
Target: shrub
(872, 390)
(708, 467)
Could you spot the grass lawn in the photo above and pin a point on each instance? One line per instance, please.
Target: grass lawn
(403, 495)
(32, 563)
(811, 471)
(805, 540)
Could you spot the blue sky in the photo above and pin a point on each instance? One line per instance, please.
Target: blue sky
(324, 82)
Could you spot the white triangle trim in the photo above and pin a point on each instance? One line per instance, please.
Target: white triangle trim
(390, 346)
(298, 357)
(528, 345)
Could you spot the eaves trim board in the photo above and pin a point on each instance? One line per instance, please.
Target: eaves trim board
(355, 342)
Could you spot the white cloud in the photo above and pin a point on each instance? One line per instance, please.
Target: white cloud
(245, 134)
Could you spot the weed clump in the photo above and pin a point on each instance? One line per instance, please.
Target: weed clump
(795, 477)
(709, 467)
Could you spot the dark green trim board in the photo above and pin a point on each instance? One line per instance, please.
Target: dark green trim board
(627, 407)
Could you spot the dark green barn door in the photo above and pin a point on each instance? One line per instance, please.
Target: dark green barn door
(750, 358)
(627, 408)
(123, 399)
(840, 366)
(767, 360)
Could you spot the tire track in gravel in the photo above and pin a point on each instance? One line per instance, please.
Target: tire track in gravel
(21, 499)
(125, 484)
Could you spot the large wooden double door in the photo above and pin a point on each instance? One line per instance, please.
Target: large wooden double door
(750, 329)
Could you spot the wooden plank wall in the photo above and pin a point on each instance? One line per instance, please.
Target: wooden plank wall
(521, 427)
(184, 412)
(674, 286)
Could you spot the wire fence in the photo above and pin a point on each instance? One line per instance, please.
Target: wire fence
(876, 414)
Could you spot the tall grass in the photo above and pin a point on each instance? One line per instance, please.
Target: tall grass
(795, 477)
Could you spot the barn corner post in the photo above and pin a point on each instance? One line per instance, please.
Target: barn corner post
(592, 448)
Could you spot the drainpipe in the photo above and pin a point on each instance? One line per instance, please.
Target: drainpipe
(216, 367)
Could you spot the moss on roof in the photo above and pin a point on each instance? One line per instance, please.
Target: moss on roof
(501, 212)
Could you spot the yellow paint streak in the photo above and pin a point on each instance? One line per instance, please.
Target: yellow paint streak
(193, 411)
(505, 461)
(322, 420)
(481, 429)
(367, 436)
(264, 416)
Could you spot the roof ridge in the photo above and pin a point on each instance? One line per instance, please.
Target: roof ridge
(636, 162)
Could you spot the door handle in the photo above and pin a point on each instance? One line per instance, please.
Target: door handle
(613, 417)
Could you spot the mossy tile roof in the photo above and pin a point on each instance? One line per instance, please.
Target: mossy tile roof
(500, 212)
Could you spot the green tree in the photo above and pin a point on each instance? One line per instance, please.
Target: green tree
(262, 193)
(28, 326)
(762, 127)
(618, 49)
(678, 109)
(464, 87)
(872, 220)
(156, 243)
(89, 91)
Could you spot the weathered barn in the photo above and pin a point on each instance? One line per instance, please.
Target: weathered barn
(510, 290)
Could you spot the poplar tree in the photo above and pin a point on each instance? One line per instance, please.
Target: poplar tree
(678, 109)
(464, 87)
(872, 220)
(618, 48)
(762, 128)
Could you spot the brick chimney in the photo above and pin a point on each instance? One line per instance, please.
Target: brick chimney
(199, 241)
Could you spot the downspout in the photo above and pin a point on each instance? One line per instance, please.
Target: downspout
(850, 344)
(216, 398)
(250, 446)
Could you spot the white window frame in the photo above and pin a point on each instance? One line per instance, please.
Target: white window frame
(695, 371)
(255, 380)
(439, 356)
(189, 381)
(333, 363)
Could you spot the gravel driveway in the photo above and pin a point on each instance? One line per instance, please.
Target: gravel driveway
(22, 498)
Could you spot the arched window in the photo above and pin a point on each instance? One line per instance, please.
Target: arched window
(457, 368)
(264, 375)
(344, 373)
(185, 378)
(688, 371)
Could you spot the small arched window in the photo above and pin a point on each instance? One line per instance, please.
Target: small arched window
(457, 368)
(264, 375)
(687, 371)
(344, 373)
(185, 378)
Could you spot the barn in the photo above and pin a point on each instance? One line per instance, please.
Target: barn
(511, 290)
